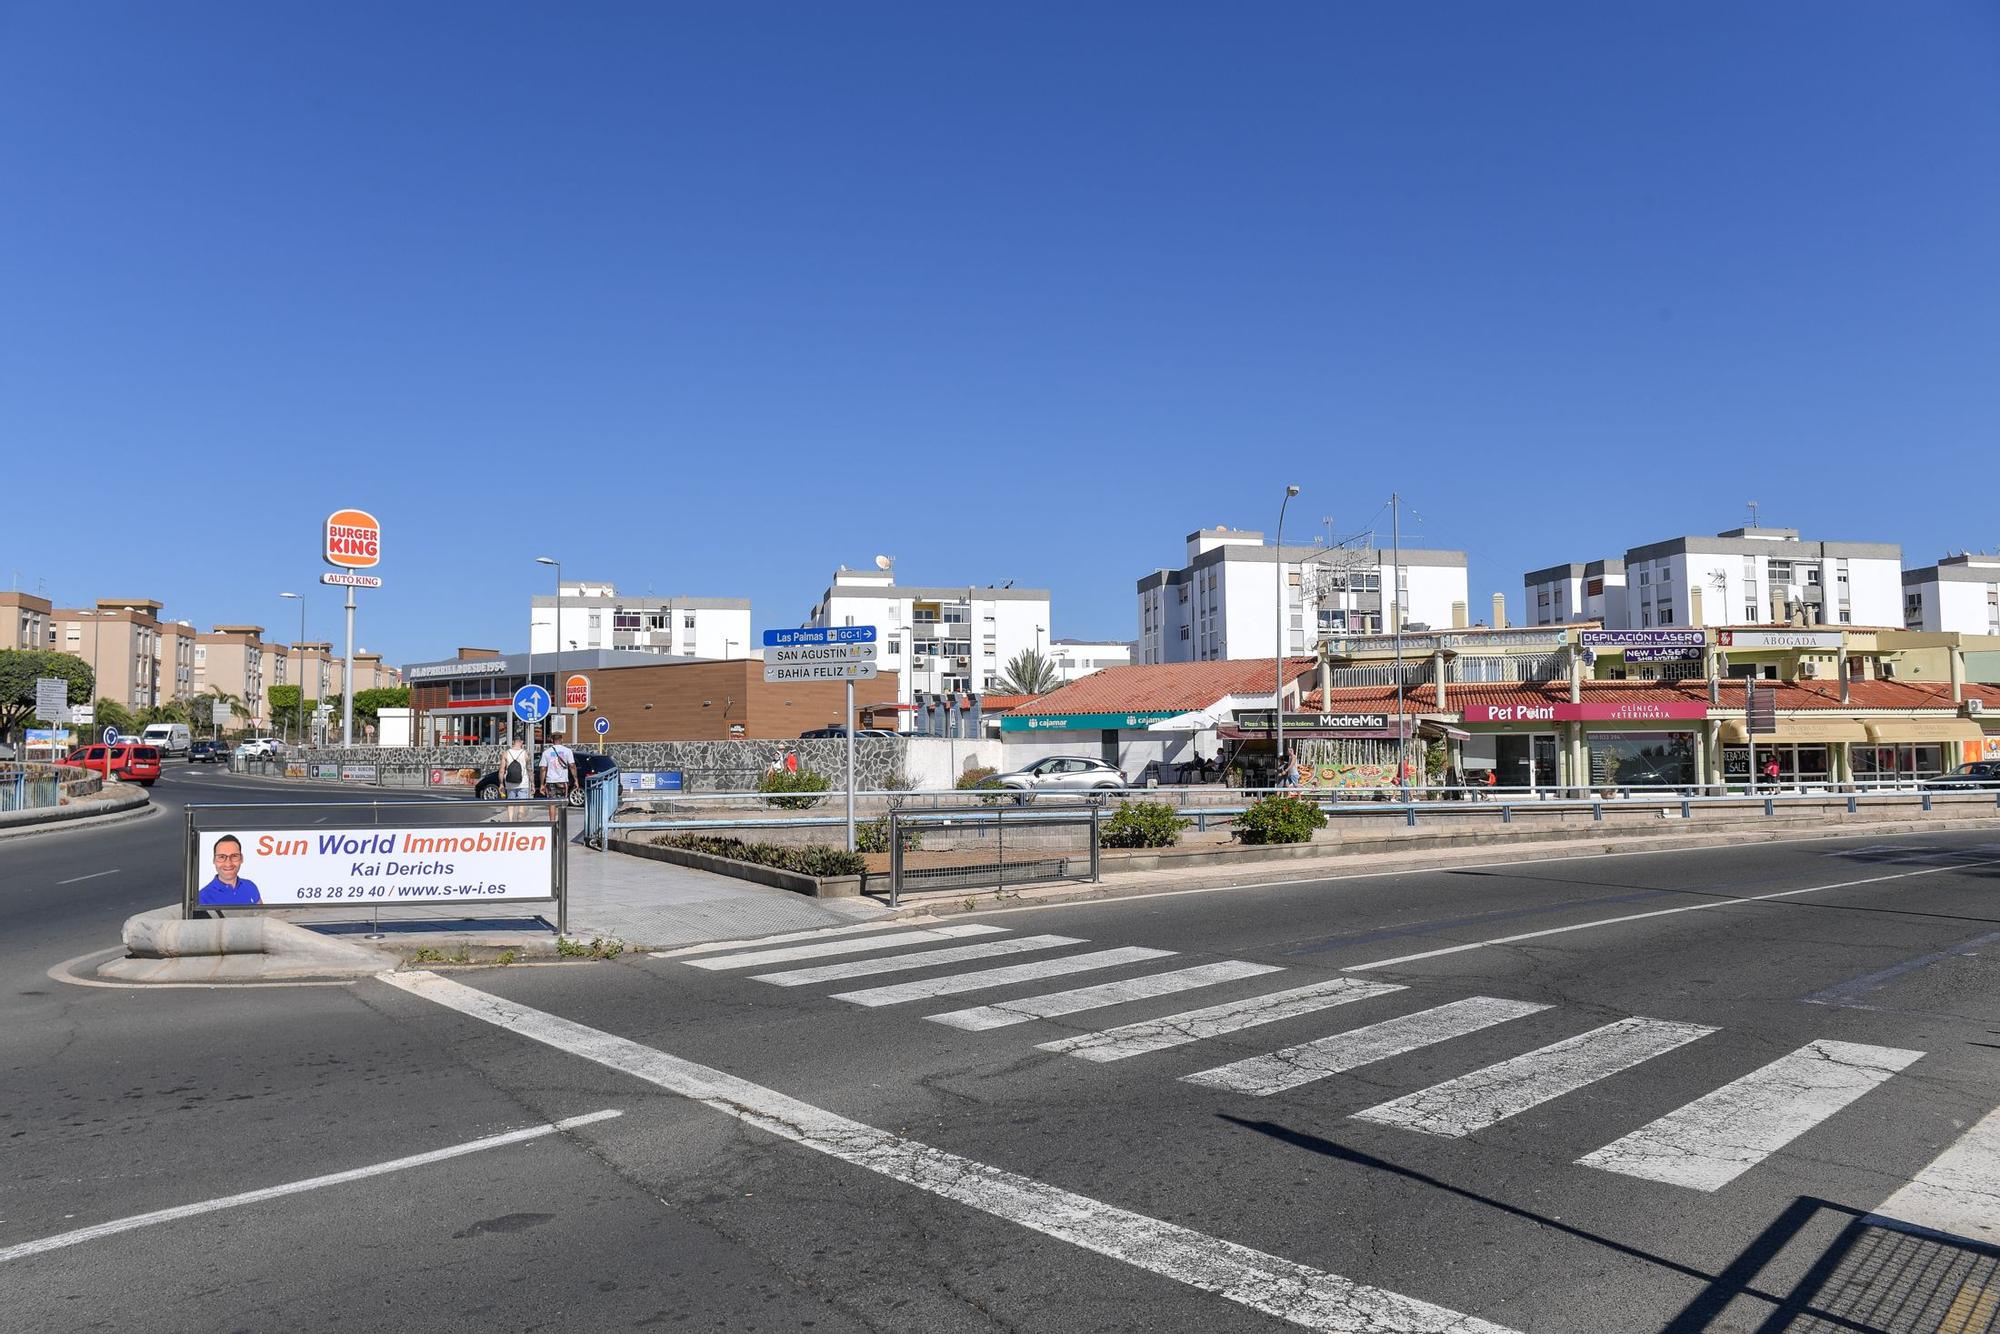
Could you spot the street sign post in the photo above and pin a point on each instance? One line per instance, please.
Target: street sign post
(531, 704)
(844, 653)
(52, 700)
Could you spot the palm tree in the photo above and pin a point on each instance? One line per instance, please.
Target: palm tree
(1028, 673)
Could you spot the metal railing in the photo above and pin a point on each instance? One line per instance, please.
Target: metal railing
(977, 854)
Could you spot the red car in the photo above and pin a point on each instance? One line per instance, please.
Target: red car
(128, 763)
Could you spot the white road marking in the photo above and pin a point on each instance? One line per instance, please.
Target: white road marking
(178, 1212)
(903, 963)
(786, 938)
(1716, 1138)
(846, 945)
(1261, 1076)
(1116, 1044)
(1104, 993)
(999, 977)
(1311, 1298)
(1658, 912)
(1959, 1192)
(1475, 1101)
(92, 876)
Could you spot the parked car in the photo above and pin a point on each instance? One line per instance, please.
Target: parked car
(171, 738)
(587, 763)
(205, 751)
(260, 747)
(1967, 777)
(1058, 773)
(7, 755)
(840, 733)
(124, 761)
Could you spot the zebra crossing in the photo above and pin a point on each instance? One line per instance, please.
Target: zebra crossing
(1703, 1145)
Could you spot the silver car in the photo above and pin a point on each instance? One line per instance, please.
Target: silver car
(1059, 773)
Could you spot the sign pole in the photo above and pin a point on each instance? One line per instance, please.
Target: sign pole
(347, 680)
(850, 766)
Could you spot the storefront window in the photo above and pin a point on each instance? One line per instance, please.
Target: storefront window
(1641, 759)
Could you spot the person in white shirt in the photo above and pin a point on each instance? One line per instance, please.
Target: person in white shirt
(558, 766)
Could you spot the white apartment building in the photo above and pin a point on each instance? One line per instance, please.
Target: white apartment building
(1075, 659)
(937, 640)
(1594, 591)
(1747, 576)
(1960, 593)
(1223, 602)
(597, 616)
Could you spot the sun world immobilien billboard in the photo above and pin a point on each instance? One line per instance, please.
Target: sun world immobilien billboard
(353, 540)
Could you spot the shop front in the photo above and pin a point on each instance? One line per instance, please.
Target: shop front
(1558, 745)
(1335, 750)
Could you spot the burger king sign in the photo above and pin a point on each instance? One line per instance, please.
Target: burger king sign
(353, 540)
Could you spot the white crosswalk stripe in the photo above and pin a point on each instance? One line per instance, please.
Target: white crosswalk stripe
(985, 978)
(1261, 1076)
(903, 963)
(1716, 1138)
(1959, 1192)
(1174, 1030)
(1473, 1102)
(845, 945)
(1104, 993)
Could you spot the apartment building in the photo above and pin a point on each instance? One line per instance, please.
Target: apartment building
(119, 638)
(1223, 603)
(174, 660)
(1960, 593)
(233, 660)
(597, 616)
(24, 621)
(1586, 591)
(937, 640)
(1074, 659)
(1742, 576)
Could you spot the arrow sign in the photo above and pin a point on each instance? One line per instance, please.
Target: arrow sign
(602, 724)
(832, 634)
(531, 704)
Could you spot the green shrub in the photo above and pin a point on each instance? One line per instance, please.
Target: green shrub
(974, 776)
(1280, 819)
(806, 859)
(874, 836)
(1142, 824)
(786, 780)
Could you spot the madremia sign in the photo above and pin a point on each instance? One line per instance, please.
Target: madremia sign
(316, 867)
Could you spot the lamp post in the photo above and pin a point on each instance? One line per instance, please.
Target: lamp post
(298, 661)
(555, 680)
(1278, 692)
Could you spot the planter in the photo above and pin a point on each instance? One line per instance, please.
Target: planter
(819, 887)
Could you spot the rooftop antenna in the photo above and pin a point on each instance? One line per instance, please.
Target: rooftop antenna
(1753, 514)
(884, 562)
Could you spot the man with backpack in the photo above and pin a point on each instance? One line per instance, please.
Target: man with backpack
(517, 771)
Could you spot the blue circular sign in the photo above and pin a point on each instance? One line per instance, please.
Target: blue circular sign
(602, 724)
(531, 704)
(112, 736)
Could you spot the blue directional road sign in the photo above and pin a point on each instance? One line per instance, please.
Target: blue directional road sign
(112, 736)
(531, 704)
(832, 634)
(602, 724)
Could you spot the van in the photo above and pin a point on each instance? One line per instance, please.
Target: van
(169, 738)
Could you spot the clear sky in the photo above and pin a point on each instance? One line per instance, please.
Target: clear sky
(712, 298)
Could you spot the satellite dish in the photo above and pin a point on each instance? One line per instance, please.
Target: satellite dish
(883, 562)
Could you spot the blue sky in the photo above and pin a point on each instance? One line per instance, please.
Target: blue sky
(712, 298)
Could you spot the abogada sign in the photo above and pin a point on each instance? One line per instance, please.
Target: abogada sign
(287, 868)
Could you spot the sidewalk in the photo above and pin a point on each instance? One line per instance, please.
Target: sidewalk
(655, 905)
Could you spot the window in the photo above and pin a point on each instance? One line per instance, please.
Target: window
(1666, 574)
(1184, 632)
(687, 621)
(893, 645)
(1666, 615)
(1750, 612)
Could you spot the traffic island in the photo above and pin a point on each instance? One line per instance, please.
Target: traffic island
(162, 946)
(87, 799)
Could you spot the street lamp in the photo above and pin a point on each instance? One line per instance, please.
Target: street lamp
(298, 662)
(547, 560)
(1278, 694)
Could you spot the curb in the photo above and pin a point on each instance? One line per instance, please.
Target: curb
(83, 815)
(1336, 867)
(163, 946)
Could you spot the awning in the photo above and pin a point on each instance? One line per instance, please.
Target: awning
(1923, 729)
(1231, 732)
(1792, 730)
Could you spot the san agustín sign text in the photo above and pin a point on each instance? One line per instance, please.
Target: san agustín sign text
(313, 867)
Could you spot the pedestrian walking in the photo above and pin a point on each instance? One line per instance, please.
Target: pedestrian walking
(1292, 773)
(517, 769)
(558, 767)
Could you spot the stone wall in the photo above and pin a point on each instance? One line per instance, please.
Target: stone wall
(706, 766)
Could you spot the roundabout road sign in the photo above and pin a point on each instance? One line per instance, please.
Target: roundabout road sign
(531, 704)
(602, 724)
(112, 736)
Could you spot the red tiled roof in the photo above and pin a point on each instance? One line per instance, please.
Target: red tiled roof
(1792, 695)
(1004, 703)
(1175, 687)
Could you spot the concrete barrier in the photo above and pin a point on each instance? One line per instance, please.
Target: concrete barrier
(114, 799)
(163, 947)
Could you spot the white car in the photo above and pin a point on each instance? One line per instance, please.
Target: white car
(258, 747)
(1059, 773)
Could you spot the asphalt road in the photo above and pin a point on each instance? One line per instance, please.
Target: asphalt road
(1621, 1093)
